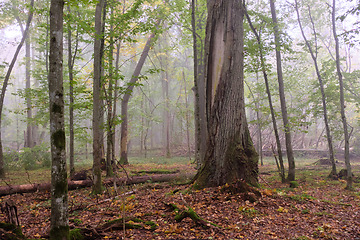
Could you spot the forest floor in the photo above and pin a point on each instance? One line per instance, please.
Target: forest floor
(318, 208)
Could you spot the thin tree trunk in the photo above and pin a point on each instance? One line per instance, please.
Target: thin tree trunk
(6, 80)
(322, 89)
(28, 141)
(342, 102)
(110, 99)
(59, 227)
(272, 111)
(116, 93)
(287, 129)
(97, 101)
(29, 127)
(126, 98)
(165, 94)
(187, 117)
(71, 93)
(199, 88)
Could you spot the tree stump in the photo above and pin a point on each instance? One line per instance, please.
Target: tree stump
(10, 210)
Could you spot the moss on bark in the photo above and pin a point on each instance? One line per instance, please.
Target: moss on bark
(59, 233)
(11, 232)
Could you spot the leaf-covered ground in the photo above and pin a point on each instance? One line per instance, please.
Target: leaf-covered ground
(318, 209)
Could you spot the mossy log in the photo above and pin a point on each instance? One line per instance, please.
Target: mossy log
(188, 212)
(10, 231)
(72, 185)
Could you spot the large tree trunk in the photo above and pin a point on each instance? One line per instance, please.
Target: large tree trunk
(342, 102)
(6, 80)
(272, 111)
(124, 103)
(199, 85)
(59, 227)
(230, 153)
(322, 89)
(287, 129)
(97, 101)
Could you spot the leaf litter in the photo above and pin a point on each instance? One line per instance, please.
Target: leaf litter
(317, 209)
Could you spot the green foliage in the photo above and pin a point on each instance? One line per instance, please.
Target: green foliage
(28, 158)
(75, 234)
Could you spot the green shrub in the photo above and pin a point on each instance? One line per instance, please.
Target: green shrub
(28, 158)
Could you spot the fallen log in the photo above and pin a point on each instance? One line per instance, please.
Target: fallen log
(72, 185)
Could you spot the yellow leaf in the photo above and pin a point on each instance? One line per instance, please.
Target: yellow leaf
(282, 210)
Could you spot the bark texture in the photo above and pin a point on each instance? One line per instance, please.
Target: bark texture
(59, 227)
(230, 153)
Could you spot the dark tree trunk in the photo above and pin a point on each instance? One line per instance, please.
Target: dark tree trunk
(97, 101)
(287, 129)
(59, 227)
(322, 89)
(230, 153)
(342, 102)
(6, 81)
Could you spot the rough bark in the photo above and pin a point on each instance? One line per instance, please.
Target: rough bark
(59, 226)
(230, 153)
(126, 98)
(97, 101)
(6, 80)
(322, 89)
(342, 101)
(287, 129)
(72, 185)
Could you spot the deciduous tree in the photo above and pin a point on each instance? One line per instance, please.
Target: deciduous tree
(59, 227)
(230, 154)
